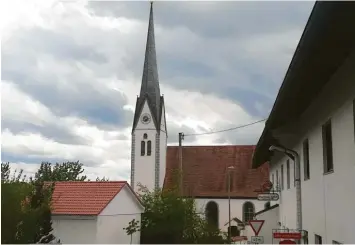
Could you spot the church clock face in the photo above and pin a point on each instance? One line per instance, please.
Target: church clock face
(146, 118)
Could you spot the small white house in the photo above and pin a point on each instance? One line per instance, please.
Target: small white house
(94, 212)
(313, 120)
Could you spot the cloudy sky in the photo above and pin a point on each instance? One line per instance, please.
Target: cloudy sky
(71, 71)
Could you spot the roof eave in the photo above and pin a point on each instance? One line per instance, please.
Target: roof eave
(312, 46)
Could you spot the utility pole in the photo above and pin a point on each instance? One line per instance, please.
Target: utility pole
(229, 170)
(181, 137)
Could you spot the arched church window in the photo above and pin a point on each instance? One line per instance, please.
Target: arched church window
(145, 136)
(212, 214)
(142, 148)
(248, 211)
(149, 148)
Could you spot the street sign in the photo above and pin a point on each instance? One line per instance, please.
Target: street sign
(256, 225)
(257, 239)
(268, 197)
(288, 235)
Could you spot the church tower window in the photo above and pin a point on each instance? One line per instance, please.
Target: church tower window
(145, 136)
(142, 148)
(149, 148)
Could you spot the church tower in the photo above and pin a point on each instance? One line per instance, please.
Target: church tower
(149, 134)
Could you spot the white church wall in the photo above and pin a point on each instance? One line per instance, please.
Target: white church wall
(144, 166)
(236, 209)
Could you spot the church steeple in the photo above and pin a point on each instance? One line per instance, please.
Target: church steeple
(149, 133)
(150, 90)
(150, 78)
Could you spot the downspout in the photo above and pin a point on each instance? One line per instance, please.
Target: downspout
(294, 156)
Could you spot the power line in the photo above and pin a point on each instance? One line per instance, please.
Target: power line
(229, 129)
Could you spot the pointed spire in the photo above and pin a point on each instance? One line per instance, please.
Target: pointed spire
(150, 79)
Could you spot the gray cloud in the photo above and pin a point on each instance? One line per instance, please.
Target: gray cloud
(86, 67)
(174, 130)
(214, 19)
(53, 132)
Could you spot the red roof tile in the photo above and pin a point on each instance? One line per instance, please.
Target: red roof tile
(84, 197)
(205, 170)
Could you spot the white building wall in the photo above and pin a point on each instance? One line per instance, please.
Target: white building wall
(271, 218)
(236, 211)
(74, 230)
(328, 200)
(116, 216)
(144, 166)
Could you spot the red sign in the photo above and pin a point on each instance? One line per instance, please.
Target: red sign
(288, 235)
(256, 225)
(287, 242)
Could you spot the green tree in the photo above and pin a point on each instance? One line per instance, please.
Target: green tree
(133, 227)
(170, 219)
(66, 171)
(26, 214)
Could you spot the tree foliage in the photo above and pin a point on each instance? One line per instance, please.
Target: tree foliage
(26, 214)
(133, 227)
(170, 219)
(66, 171)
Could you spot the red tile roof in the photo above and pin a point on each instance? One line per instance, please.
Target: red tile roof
(84, 197)
(205, 171)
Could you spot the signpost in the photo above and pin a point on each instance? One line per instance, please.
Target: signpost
(256, 225)
(268, 197)
(257, 239)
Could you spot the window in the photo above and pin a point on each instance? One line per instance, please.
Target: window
(212, 214)
(282, 177)
(149, 148)
(327, 147)
(317, 239)
(294, 173)
(248, 212)
(288, 173)
(306, 159)
(145, 136)
(277, 180)
(142, 148)
(305, 240)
